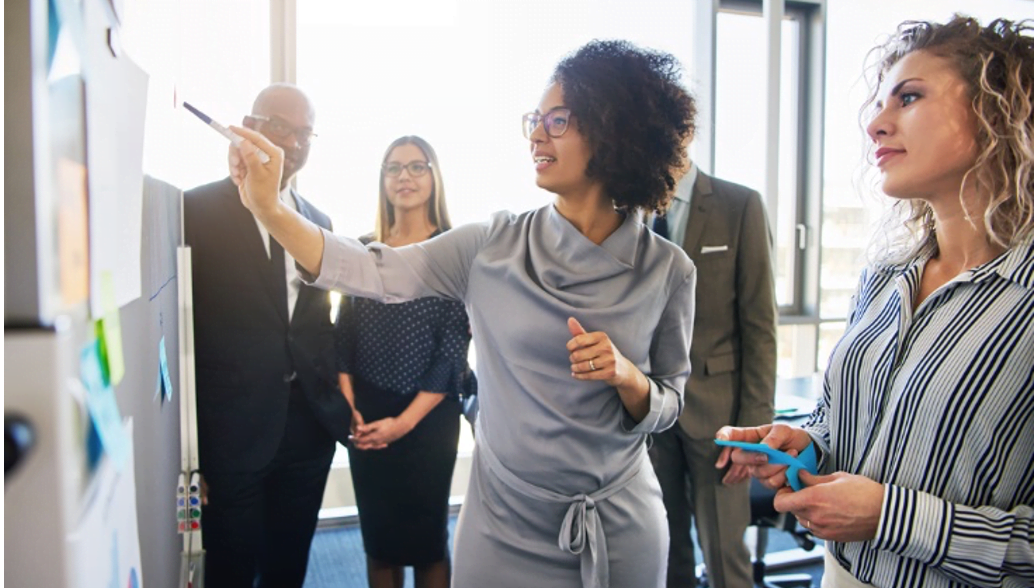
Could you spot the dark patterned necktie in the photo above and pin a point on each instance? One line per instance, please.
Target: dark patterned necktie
(660, 225)
(278, 272)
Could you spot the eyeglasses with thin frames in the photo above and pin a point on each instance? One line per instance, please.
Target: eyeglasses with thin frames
(415, 168)
(555, 122)
(278, 128)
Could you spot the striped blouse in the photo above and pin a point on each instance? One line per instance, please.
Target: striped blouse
(938, 406)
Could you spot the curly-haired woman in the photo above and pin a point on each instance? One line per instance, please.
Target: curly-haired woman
(581, 317)
(926, 424)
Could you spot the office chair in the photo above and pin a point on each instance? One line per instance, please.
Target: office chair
(763, 516)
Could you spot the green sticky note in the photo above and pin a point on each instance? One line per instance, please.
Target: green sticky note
(109, 332)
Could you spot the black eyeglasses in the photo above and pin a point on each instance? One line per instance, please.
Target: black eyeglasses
(278, 128)
(555, 122)
(415, 168)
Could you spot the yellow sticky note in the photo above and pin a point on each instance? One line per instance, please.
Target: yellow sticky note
(109, 331)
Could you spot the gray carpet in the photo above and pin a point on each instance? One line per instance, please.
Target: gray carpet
(337, 559)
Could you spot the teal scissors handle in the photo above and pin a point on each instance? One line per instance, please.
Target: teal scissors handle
(805, 461)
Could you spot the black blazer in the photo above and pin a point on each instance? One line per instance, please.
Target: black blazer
(246, 351)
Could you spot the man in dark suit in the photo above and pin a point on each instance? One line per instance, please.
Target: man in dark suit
(724, 229)
(268, 409)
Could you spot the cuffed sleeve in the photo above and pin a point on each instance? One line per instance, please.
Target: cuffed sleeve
(661, 402)
(669, 361)
(979, 546)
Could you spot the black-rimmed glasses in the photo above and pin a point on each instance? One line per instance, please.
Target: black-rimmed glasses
(415, 168)
(555, 122)
(278, 128)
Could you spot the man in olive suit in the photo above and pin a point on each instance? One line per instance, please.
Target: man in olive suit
(724, 229)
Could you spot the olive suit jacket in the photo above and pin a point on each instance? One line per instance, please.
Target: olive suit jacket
(733, 355)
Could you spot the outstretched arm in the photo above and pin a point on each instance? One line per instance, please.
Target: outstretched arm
(438, 267)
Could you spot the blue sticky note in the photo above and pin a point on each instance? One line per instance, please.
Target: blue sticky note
(805, 461)
(163, 360)
(100, 402)
(94, 446)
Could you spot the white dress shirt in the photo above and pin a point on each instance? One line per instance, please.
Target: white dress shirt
(290, 272)
(678, 212)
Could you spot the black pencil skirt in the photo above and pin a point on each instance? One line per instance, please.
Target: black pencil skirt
(402, 491)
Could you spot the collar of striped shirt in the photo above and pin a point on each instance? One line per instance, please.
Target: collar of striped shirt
(1015, 265)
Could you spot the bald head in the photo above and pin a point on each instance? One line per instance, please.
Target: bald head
(283, 96)
(285, 115)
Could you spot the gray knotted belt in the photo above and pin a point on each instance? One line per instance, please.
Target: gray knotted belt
(582, 525)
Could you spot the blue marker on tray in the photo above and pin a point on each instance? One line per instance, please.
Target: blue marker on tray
(805, 461)
(232, 136)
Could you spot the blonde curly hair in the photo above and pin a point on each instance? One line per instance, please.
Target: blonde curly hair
(997, 64)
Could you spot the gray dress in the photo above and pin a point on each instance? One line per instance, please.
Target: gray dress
(561, 493)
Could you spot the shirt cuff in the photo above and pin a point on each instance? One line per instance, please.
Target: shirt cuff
(821, 452)
(658, 399)
(914, 524)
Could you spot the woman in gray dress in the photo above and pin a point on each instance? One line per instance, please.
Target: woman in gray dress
(582, 319)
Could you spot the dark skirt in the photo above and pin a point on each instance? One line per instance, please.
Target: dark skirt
(402, 491)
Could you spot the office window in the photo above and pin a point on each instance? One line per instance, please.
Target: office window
(458, 73)
(740, 129)
(218, 63)
(829, 336)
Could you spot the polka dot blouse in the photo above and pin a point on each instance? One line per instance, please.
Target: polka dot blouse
(409, 347)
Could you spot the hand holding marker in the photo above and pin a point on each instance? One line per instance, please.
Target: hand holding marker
(232, 136)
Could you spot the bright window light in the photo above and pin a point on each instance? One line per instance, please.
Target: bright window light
(462, 86)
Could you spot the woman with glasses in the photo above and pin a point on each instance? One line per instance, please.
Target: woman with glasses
(582, 319)
(402, 368)
(925, 428)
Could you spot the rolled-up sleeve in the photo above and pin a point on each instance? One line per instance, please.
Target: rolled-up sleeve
(669, 361)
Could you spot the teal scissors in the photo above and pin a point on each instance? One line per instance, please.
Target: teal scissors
(805, 461)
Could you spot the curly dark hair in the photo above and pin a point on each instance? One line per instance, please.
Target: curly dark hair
(636, 117)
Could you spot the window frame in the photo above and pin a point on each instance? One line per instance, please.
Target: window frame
(803, 313)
